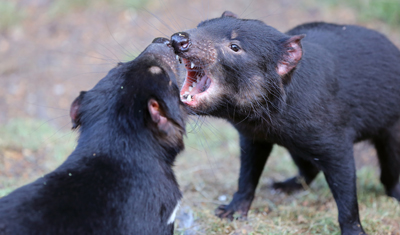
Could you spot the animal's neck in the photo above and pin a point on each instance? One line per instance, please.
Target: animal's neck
(123, 146)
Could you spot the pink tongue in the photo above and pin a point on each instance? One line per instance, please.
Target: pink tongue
(199, 87)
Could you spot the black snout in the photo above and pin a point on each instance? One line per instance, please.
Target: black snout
(180, 42)
(161, 40)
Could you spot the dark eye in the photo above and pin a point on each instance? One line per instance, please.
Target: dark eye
(235, 47)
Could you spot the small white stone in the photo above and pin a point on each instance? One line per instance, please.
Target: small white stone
(222, 198)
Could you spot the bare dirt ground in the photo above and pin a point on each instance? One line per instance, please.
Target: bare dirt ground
(47, 58)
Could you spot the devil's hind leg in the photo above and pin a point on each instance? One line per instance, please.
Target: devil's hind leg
(307, 173)
(387, 144)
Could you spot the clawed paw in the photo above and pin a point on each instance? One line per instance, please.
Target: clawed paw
(224, 212)
(395, 192)
(290, 185)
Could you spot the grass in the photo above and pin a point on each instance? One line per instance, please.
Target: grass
(209, 167)
(207, 170)
(10, 15)
(387, 11)
(61, 7)
(28, 149)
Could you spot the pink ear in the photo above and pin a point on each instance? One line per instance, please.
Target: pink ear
(74, 110)
(154, 110)
(229, 14)
(292, 55)
(157, 117)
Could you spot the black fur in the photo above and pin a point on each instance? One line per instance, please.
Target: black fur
(315, 96)
(119, 178)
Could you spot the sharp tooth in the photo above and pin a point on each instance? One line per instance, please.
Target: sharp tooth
(189, 98)
(194, 84)
(192, 65)
(190, 88)
(177, 57)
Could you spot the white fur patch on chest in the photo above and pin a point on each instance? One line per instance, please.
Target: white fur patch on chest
(171, 218)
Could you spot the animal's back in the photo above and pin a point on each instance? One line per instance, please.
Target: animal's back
(366, 70)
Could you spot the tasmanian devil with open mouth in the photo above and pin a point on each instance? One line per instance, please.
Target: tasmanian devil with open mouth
(315, 90)
(119, 179)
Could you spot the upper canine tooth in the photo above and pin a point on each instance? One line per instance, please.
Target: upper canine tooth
(194, 84)
(190, 88)
(192, 65)
(189, 98)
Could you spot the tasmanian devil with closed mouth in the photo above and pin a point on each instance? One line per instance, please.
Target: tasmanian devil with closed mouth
(119, 178)
(315, 90)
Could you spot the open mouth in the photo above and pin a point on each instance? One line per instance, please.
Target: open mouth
(196, 84)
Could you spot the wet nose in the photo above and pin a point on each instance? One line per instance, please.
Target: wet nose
(180, 42)
(161, 40)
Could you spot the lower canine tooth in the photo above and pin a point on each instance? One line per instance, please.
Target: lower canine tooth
(189, 98)
(192, 65)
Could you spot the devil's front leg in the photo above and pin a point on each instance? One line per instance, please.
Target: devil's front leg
(253, 156)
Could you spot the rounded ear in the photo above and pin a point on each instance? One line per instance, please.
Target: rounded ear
(158, 116)
(74, 111)
(292, 54)
(229, 14)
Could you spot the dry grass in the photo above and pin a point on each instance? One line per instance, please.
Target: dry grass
(28, 149)
(209, 169)
(207, 172)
